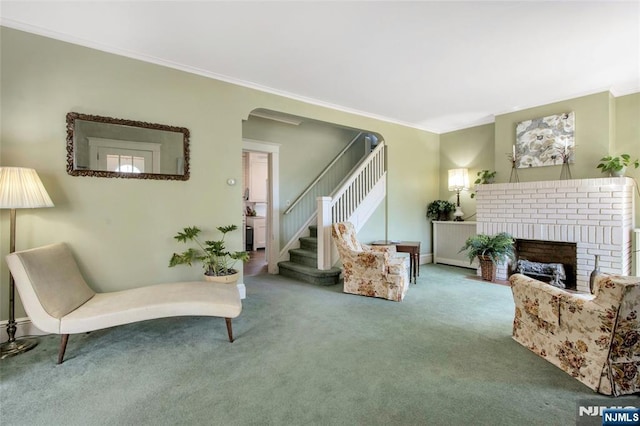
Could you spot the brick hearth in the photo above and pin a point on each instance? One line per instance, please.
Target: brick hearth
(596, 214)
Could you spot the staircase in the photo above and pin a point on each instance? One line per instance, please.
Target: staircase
(303, 262)
(354, 200)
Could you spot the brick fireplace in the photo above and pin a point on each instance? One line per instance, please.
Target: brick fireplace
(595, 214)
(550, 252)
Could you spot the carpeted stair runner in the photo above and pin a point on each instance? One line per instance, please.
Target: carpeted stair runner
(303, 262)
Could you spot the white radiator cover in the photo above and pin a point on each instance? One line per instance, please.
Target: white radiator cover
(448, 239)
(596, 214)
(636, 251)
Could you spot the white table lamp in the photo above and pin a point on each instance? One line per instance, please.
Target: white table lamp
(458, 181)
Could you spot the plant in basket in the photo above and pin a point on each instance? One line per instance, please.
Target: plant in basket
(489, 249)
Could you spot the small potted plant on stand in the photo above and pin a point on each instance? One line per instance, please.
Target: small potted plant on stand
(440, 209)
(218, 263)
(484, 177)
(616, 166)
(489, 249)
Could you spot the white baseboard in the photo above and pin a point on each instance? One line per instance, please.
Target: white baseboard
(426, 258)
(24, 327)
(242, 289)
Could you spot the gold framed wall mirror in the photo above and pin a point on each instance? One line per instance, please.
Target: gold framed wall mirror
(114, 147)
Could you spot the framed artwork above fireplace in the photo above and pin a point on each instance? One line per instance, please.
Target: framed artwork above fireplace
(546, 141)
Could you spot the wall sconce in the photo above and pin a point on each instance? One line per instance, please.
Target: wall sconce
(458, 181)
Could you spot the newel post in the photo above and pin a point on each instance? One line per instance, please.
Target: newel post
(324, 233)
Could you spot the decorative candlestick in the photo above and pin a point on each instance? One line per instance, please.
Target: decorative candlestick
(513, 178)
(565, 172)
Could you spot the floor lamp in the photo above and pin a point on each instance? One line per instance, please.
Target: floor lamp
(458, 181)
(20, 188)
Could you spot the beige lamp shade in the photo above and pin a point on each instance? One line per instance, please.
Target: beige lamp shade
(458, 179)
(21, 188)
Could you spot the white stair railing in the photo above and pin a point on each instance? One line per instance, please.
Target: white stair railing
(301, 213)
(355, 201)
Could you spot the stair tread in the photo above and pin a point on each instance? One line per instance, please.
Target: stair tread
(304, 252)
(308, 269)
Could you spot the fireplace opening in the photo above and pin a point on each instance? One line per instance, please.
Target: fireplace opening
(548, 261)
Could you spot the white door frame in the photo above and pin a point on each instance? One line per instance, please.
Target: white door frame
(273, 197)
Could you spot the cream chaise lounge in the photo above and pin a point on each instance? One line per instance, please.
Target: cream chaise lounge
(594, 338)
(58, 300)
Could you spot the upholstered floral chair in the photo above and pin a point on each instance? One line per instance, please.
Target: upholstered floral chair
(370, 270)
(594, 338)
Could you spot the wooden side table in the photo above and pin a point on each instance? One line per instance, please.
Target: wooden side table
(411, 247)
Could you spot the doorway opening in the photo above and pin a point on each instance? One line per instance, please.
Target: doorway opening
(260, 196)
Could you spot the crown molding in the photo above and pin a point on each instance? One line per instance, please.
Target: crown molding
(21, 26)
(32, 29)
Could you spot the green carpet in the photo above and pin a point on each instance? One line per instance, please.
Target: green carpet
(303, 354)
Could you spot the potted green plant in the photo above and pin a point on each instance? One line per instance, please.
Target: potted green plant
(617, 165)
(489, 249)
(218, 263)
(440, 209)
(484, 177)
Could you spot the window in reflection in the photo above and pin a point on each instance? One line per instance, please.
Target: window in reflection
(125, 163)
(111, 155)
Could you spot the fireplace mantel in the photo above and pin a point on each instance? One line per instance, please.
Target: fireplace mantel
(596, 214)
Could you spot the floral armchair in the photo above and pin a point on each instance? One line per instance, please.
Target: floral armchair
(594, 338)
(370, 270)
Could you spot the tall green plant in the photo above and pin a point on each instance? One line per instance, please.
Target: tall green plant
(497, 247)
(215, 258)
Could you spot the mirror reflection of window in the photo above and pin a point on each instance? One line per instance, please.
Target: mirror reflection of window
(125, 163)
(112, 155)
(128, 169)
